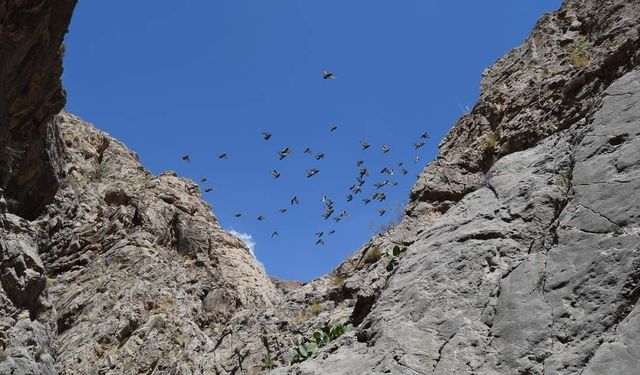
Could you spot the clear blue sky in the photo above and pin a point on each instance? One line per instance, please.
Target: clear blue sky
(203, 77)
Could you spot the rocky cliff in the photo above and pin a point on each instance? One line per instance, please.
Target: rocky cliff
(522, 251)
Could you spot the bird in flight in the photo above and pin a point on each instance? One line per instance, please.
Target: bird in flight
(379, 196)
(385, 149)
(222, 156)
(266, 136)
(366, 200)
(333, 127)
(203, 179)
(387, 171)
(400, 163)
(275, 173)
(425, 135)
(357, 190)
(417, 145)
(363, 172)
(328, 213)
(238, 214)
(417, 159)
(379, 185)
(275, 234)
(186, 158)
(359, 163)
(260, 218)
(294, 200)
(360, 181)
(320, 156)
(207, 189)
(332, 231)
(307, 150)
(284, 153)
(312, 172)
(381, 211)
(328, 75)
(320, 241)
(282, 210)
(319, 234)
(364, 145)
(404, 171)
(349, 198)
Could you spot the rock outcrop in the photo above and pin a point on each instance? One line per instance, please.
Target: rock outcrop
(522, 252)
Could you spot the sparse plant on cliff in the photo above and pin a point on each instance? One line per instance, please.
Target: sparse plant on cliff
(373, 255)
(338, 280)
(315, 308)
(563, 181)
(101, 172)
(321, 338)
(396, 253)
(579, 53)
(268, 362)
(489, 143)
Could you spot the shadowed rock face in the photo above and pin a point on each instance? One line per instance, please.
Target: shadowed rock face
(31, 33)
(522, 236)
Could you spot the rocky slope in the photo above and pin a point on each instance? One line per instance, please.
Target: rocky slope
(522, 236)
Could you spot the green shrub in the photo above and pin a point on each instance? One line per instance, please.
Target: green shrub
(578, 53)
(490, 143)
(321, 338)
(268, 362)
(101, 172)
(315, 308)
(395, 254)
(373, 255)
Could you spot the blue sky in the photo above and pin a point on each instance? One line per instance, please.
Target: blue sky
(204, 77)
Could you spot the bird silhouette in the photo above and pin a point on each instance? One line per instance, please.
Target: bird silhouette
(332, 127)
(337, 219)
(186, 158)
(238, 214)
(381, 211)
(425, 135)
(320, 241)
(361, 181)
(332, 231)
(282, 210)
(312, 172)
(266, 136)
(328, 213)
(364, 145)
(294, 200)
(275, 174)
(379, 185)
(417, 145)
(357, 190)
(260, 218)
(379, 196)
(275, 234)
(417, 159)
(320, 156)
(366, 200)
(207, 189)
(364, 172)
(385, 149)
(400, 163)
(393, 183)
(284, 153)
(349, 198)
(222, 156)
(328, 75)
(307, 150)
(387, 171)
(203, 179)
(359, 163)
(404, 171)
(319, 234)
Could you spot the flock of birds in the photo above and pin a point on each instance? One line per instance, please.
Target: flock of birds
(354, 189)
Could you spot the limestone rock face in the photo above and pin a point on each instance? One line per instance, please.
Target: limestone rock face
(522, 235)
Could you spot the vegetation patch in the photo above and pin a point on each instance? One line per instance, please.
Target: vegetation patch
(373, 255)
(309, 348)
(396, 253)
(578, 53)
